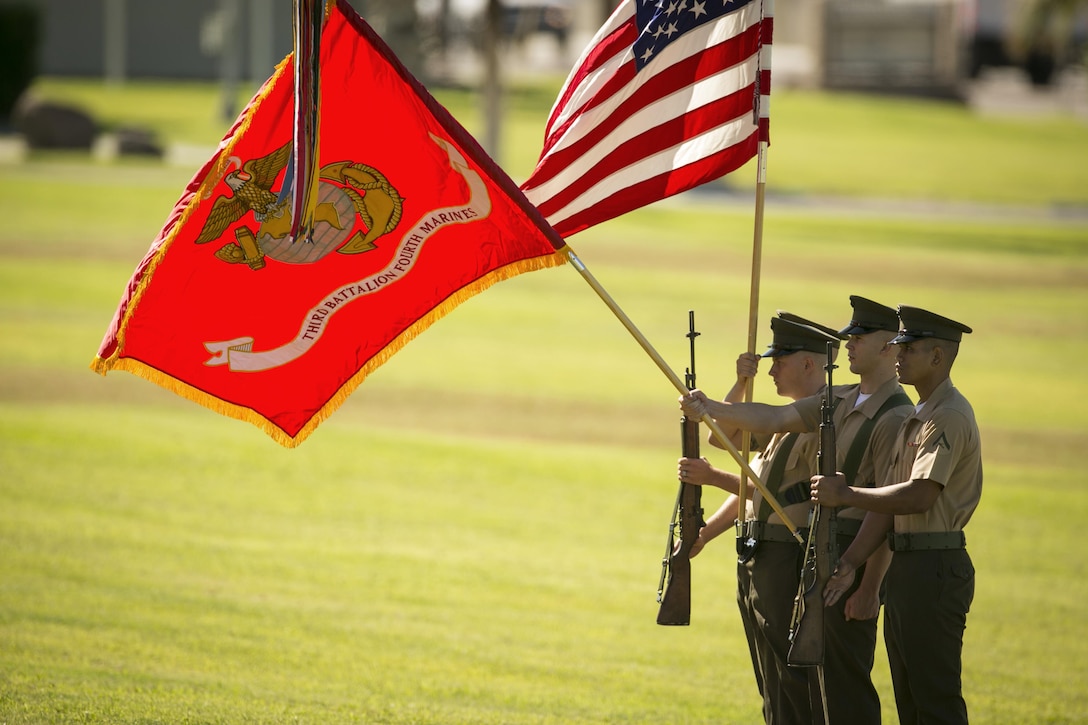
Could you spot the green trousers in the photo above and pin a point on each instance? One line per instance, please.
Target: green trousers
(928, 596)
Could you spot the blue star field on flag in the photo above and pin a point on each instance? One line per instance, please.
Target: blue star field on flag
(663, 21)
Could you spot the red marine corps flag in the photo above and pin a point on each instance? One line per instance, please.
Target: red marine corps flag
(408, 217)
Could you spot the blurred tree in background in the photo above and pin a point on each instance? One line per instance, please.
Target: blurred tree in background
(397, 21)
(19, 35)
(1052, 34)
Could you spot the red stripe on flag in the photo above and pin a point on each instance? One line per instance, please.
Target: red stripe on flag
(661, 137)
(607, 180)
(617, 43)
(663, 186)
(689, 71)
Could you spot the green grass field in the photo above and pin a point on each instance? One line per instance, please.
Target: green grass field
(476, 535)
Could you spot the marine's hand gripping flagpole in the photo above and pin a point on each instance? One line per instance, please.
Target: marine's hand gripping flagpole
(681, 388)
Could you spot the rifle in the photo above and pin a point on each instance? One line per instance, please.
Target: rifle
(807, 623)
(687, 516)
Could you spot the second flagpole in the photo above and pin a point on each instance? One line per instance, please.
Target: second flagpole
(762, 118)
(680, 387)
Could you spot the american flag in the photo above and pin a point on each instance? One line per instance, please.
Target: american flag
(669, 94)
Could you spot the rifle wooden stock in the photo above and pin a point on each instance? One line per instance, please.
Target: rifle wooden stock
(807, 625)
(807, 632)
(675, 602)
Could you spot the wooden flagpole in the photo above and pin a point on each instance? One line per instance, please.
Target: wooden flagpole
(753, 318)
(757, 255)
(680, 387)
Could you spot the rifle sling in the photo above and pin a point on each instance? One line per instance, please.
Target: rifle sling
(797, 493)
(861, 441)
(773, 480)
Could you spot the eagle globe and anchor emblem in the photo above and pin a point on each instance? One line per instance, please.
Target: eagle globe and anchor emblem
(345, 190)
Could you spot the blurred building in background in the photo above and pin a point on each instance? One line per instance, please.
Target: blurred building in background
(120, 39)
(908, 46)
(928, 47)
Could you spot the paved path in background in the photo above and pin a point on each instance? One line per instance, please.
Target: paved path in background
(711, 196)
(1002, 92)
(1006, 92)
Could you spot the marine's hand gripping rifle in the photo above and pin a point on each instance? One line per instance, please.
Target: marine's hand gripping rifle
(807, 624)
(675, 597)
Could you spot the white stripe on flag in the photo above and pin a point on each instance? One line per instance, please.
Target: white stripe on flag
(603, 141)
(648, 167)
(693, 43)
(685, 99)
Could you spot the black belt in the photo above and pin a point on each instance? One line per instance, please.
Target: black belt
(763, 531)
(927, 541)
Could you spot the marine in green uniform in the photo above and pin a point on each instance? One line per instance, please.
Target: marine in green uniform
(931, 490)
(768, 568)
(867, 416)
